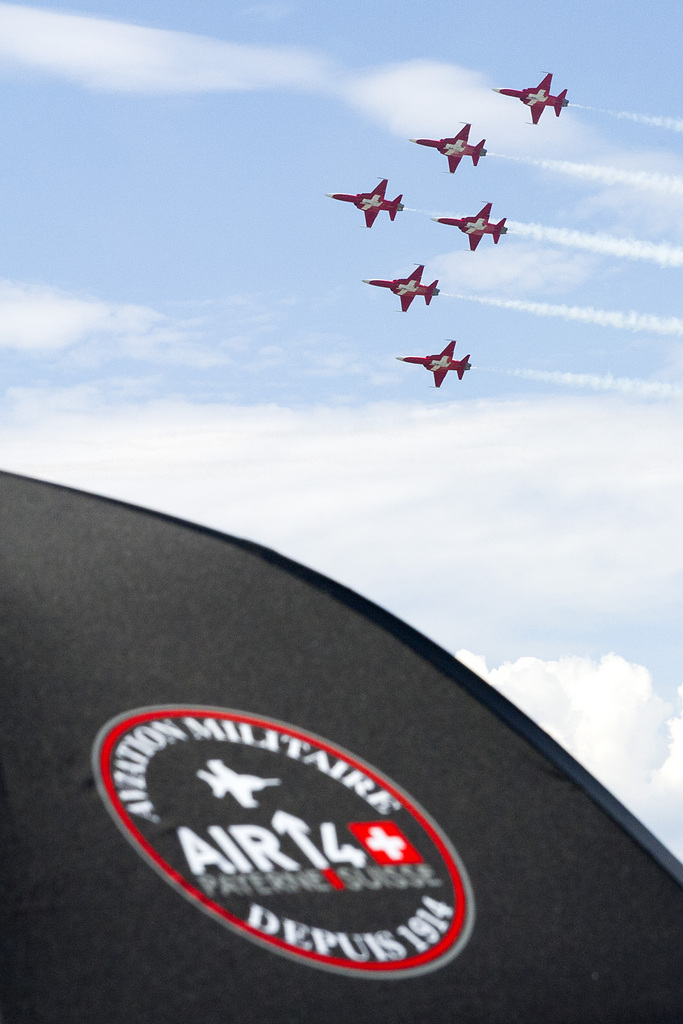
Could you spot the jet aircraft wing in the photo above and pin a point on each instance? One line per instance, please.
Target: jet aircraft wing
(439, 376)
(377, 193)
(475, 240)
(406, 299)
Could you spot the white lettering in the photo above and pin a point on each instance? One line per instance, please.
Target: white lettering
(296, 934)
(295, 746)
(436, 922)
(360, 783)
(131, 766)
(394, 949)
(345, 854)
(199, 854)
(210, 729)
(145, 809)
(323, 940)
(222, 839)
(440, 909)
(320, 759)
(346, 942)
(374, 946)
(169, 729)
(262, 847)
(147, 739)
(383, 802)
(123, 750)
(270, 741)
(263, 920)
(123, 779)
(420, 946)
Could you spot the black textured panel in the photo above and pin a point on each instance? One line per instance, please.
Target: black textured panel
(575, 913)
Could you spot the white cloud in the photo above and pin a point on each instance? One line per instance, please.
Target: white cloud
(432, 98)
(113, 55)
(454, 513)
(39, 318)
(415, 96)
(609, 717)
(511, 269)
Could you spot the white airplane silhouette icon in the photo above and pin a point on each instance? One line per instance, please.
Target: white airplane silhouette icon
(224, 780)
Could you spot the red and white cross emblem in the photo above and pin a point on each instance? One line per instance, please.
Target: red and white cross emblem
(385, 842)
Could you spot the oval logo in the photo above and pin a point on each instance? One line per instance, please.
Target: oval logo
(287, 839)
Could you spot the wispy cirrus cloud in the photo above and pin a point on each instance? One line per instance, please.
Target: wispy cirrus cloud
(523, 267)
(38, 320)
(418, 95)
(355, 486)
(104, 54)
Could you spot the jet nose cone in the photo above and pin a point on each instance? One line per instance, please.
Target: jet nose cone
(497, 90)
(411, 140)
(401, 359)
(331, 195)
(365, 281)
(437, 219)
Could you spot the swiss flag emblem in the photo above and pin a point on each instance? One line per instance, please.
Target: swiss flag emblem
(385, 842)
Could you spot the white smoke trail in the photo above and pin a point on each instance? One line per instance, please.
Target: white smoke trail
(671, 184)
(626, 248)
(630, 321)
(673, 124)
(625, 385)
(429, 213)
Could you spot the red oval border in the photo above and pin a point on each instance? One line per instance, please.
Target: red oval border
(461, 925)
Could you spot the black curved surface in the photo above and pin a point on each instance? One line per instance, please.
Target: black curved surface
(106, 608)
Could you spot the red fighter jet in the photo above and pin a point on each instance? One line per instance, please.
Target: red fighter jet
(539, 98)
(408, 287)
(455, 149)
(476, 227)
(371, 202)
(441, 364)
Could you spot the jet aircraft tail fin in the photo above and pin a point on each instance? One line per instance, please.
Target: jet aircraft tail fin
(479, 151)
(395, 207)
(499, 229)
(560, 102)
(461, 366)
(431, 292)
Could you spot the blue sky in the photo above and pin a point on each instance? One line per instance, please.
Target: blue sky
(183, 322)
